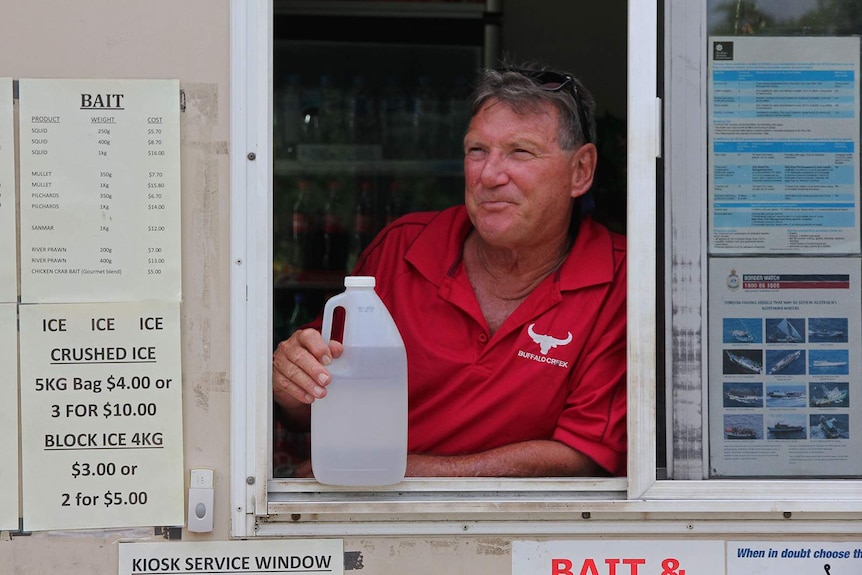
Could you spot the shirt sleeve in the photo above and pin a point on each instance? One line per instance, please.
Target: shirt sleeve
(594, 420)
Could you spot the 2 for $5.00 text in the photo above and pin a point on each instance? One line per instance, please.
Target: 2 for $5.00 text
(108, 498)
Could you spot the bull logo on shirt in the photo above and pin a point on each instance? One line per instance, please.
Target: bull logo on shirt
(546, 342)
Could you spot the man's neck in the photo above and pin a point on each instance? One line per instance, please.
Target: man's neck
(503, 278)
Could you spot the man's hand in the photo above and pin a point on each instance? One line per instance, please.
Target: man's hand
(299, 374)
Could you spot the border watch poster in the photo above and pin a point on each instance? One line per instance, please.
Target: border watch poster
(784, 364)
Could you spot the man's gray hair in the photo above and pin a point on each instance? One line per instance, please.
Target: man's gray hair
(523, 94)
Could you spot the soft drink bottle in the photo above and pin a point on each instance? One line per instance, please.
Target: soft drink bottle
(363, 224)
(301, 227)
(335, 240)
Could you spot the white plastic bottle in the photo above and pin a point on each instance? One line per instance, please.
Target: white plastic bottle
(359, 430)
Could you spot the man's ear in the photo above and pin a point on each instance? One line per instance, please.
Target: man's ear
(584, 162)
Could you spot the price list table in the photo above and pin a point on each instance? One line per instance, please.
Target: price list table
(101, 415)
(8, 242)
(100, 190)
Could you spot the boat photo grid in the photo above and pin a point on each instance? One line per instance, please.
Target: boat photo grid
(796, 407)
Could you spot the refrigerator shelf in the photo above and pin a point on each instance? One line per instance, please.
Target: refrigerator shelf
(393, 9)
(454, 168)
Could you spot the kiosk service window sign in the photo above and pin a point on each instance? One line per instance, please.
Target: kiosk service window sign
(223, 557)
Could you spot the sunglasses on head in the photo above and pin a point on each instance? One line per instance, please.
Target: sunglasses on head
(551, 81)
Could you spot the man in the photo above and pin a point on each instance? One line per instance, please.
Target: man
(511, 307)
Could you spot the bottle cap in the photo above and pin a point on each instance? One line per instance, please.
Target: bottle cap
(359, 281)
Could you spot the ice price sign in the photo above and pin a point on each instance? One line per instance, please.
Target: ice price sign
(101, 403)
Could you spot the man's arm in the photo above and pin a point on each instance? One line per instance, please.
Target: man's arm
(536, 458)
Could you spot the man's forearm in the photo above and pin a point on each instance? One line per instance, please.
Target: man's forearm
(292, 415)
(538, 458)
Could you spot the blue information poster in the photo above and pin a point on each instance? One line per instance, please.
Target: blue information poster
(783, 145)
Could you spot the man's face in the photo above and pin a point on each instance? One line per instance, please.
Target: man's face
(519, 182)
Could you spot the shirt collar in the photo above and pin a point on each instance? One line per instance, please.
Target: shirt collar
(438, 251)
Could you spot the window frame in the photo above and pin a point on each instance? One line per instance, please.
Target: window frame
(685, 164)
(263, 506)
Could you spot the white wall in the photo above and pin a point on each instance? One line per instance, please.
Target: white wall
(188, 40)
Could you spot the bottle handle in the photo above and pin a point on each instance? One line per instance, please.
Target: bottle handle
(328, 309)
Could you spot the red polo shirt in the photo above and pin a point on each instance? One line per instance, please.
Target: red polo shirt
(556, 369)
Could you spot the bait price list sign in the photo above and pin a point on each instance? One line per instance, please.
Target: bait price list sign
(100, 190)
(8, 242)
(101, 423)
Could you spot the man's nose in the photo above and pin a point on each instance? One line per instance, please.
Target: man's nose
(494, 170)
